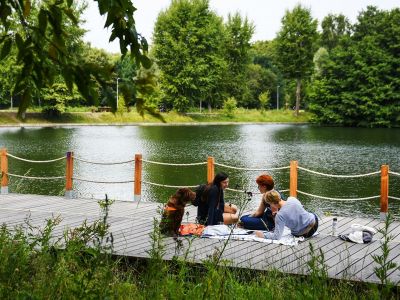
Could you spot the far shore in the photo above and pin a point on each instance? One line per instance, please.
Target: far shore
(68, 119)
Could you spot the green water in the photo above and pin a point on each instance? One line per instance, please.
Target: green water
(327, 150)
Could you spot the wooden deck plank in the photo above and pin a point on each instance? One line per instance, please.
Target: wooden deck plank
(131, 223)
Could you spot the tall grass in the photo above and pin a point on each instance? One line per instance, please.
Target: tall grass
(218, 116)
(36, 265)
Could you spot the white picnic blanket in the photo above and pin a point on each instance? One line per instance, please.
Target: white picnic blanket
(223, 232)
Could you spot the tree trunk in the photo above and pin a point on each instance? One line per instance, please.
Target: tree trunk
(298, 88)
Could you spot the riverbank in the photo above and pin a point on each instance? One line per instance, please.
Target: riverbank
(242, 116)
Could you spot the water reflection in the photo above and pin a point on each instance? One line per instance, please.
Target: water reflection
(327, 150)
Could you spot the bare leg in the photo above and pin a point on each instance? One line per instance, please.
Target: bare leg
(230, 214)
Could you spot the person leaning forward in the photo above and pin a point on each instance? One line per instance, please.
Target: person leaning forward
(292, 215)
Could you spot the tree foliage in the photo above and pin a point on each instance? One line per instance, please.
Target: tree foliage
(188, 41)
(296, 44)
(360, 85)
(40, 31)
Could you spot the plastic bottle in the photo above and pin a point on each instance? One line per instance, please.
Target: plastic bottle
(334, 226)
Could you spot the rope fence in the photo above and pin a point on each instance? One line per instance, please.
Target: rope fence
(103, 163)
(173, 164)
(210, 164)
(339, 176)
(35, 177)
(35, 161)
(338, 199)
(251, 169)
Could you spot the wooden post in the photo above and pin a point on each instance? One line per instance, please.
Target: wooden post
(210, 169)
(4, 171)
(138, 178)
(384, 191)
(293, 178)
(69, 172)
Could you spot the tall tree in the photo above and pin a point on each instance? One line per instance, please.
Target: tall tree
(360, 85)
(41, 43)
(239, 32)
(188, 41)
(296, 44)
(334, 27)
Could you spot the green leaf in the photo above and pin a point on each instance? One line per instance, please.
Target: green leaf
(27, 8)
(6, 48)
(146, 62)
(42, 21)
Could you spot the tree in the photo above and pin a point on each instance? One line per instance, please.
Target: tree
(237, 47)
(188, 41)
(360, 82)
(334, 27)
(39, 32)
(296, 44)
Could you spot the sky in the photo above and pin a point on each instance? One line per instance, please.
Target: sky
(266, 15)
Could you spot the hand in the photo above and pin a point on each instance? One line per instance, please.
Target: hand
(259, 234)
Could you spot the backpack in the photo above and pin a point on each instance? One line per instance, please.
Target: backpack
(199, 194)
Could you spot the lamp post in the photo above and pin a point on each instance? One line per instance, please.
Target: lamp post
(277, 97)
(117, 91)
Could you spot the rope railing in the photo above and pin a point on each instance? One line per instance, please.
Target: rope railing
(35, 161)
(210, 165)
(103, 182)
(169, 186)
(103, 163)
(35, 177)
(173, 164)
(251, 169)
(339, 176)
(338, 199)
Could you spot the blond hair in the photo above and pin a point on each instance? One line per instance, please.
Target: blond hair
(272, 197)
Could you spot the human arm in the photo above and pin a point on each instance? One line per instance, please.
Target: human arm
(278, 231)
(260, 210)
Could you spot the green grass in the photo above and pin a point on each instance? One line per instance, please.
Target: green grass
(79, 117)
(33, 265)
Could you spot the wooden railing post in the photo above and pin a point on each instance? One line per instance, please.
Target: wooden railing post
(210, 169)
(384, 191)
(4, 171)
(138, 178)
(69, 172)
(293, 178)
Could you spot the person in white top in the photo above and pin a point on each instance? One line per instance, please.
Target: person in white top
(292, 215)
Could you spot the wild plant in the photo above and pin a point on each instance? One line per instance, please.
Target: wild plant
(384, 264)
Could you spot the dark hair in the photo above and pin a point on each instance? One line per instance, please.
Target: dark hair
(265, 180)
(221, 176)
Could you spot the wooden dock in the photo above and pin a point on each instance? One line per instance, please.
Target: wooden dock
(131, 224)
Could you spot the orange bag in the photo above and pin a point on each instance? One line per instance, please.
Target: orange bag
(191, 229)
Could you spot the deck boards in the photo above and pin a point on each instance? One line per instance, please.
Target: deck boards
(131, 224)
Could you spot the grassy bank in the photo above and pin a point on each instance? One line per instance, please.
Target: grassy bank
(241, 115)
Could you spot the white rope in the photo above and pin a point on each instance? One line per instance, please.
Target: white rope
(338, 199)
(339, 176)
(171, 164)
(251, 169)
(103, 163)
(237, 191)
(394, 198)
(33, 177)
(106, 182)
(394, 173)
(36, 161)
(170, 186)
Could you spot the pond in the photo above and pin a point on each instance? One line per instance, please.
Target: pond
(329, 150)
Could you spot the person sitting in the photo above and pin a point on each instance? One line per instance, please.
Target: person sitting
(292, 215)
(212, 209)
(173, 211)
(263, 217)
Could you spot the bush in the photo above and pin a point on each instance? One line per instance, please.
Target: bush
(229, 107)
